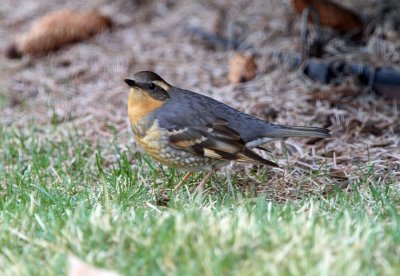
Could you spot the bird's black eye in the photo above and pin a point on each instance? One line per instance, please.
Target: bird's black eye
(152, 86)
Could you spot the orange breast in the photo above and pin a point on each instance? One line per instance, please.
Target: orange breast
(141, 104)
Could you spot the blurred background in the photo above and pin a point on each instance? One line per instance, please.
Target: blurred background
(257, 56)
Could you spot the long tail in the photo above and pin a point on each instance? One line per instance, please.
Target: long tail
(298, 131)
(278, 132)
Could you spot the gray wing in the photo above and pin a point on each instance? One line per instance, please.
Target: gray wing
(190, 108)
(191, 129)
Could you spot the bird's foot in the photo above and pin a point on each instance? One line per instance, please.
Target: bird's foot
(177, 187)
(203, 182)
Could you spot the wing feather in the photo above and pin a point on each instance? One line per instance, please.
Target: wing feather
(215, 140)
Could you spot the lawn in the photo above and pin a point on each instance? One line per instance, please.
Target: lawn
(62, 195)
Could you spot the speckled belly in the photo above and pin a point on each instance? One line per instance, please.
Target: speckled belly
(156, 143)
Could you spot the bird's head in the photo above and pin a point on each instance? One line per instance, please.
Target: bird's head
(148, 93)
(146, 84)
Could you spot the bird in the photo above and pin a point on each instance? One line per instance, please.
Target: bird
(193, 132)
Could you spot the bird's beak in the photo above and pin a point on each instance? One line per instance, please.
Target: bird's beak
(131, 83)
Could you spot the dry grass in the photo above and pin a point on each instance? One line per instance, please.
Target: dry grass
(81, 85)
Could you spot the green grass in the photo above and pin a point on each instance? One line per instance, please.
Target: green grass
(3, 98)
(61, 195)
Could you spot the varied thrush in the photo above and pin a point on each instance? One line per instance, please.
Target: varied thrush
(194, 132)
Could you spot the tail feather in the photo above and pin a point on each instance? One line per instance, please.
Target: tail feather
(250, 156)
(298, 131)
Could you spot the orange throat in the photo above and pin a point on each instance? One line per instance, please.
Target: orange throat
(141, 104)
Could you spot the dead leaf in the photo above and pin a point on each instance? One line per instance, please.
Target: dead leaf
(332, 15)
(79, 268)
(242, 68)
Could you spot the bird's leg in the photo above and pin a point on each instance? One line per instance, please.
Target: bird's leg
(204, 181)
(187, 175)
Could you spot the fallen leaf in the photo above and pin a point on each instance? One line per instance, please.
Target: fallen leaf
(242, 68)
(79, 268)
(331, 14)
